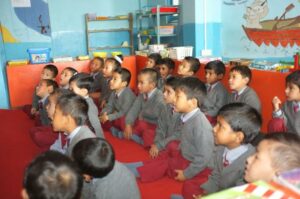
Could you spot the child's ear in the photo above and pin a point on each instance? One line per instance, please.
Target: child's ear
(124, 84)
(240, 137)
(50, 89)
(194, 102)
(24, 194)
(246, 80)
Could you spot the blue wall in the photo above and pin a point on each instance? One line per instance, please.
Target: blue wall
(3, 88)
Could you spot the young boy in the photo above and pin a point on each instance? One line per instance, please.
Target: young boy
(119, 101)
(104, 176)
(276, 153)
(288, 117)
(49, 72)
(153, 60)
(141, 119)
(65, 77)
(188, 67)
(109, 66)
(166, 67)
(70, 116)
(237, 125)
(187, 161)
(96, 69)
(239, 78)
(52, 175)
(217, 94)
(80, 84)
(169, 123)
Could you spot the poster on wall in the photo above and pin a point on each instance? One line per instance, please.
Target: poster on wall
(25, 21)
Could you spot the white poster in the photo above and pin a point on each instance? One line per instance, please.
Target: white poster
(20, 3)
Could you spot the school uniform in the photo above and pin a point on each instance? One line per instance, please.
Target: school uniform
(217, 96)
(287, 119)
(98, 79)
(228, 168)
(60, 143)
(105, 89)
(144, 113)
(43, 119)
(117, 107)
(34, 104)
(78, 134)
(192, 155)
(247, 96)
(168, 127)
(120, 183)
(93, 117)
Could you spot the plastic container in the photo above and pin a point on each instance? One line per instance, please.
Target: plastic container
(180, 52)
(165, 30)
(39, 55)
(115, 53)
(100, 54)
(164, 9)
(17, 62)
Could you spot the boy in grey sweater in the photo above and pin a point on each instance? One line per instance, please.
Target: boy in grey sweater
(142, 118)
(104, 177)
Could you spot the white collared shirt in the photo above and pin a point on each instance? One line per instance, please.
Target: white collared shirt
(212, 86)
(233, 154)
(73, 134)
(187, 116)
(151, 93)
(241, 91)
(119, 94)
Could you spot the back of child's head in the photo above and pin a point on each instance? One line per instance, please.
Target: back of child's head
(156, 57)
(52, 83)
(168, 62)
(72, 70)
(125, 74)
(152, 74)
(193, 88)
(242, 118)
(243, 70)
(52, 175)
(94, 156)
(284, 151)
(194, 63)
(51, 68)
(173, 82)
(294, 78)
(75, 106)
(217, 66)
(83, 80)
(115, 63)
(59, 92)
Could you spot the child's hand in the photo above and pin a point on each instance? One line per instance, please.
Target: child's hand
(276, 103)
(102, 104)
(197, 197)
(128, 131)
(103, 118)
(180, 176)
(153, 151)
(33, 111)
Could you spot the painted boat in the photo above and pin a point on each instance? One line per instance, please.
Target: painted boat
(284, 32)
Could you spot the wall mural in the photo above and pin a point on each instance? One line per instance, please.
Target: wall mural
(282, 30)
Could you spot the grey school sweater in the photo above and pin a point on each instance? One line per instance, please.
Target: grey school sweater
(226, 177)
(197, 143)
(120, 183)
(168, 127)
(119, 106)
(291, 118)
(146, 110)
(216, 98)
(249, 97)
(93, 117)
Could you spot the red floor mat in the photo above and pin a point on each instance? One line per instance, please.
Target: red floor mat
(17, 150)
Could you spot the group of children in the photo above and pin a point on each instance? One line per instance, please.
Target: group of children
(195, 132)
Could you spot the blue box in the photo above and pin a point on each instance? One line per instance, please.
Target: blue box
(39, 55)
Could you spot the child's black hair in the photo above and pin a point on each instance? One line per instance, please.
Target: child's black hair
(173, 82)
(152, 73)
(61, 91)
(50, 82)
(244, 71)
(115, 62)
(52, 68)
(72, 70)
(294, 78)
(217, 66)
(156, 57)
(83, 80)
(242, 117)
(94, 156)
(74, 105)
(194, 63)
(193, 88)
(53, 175)
(125, 74)
(168, 62)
